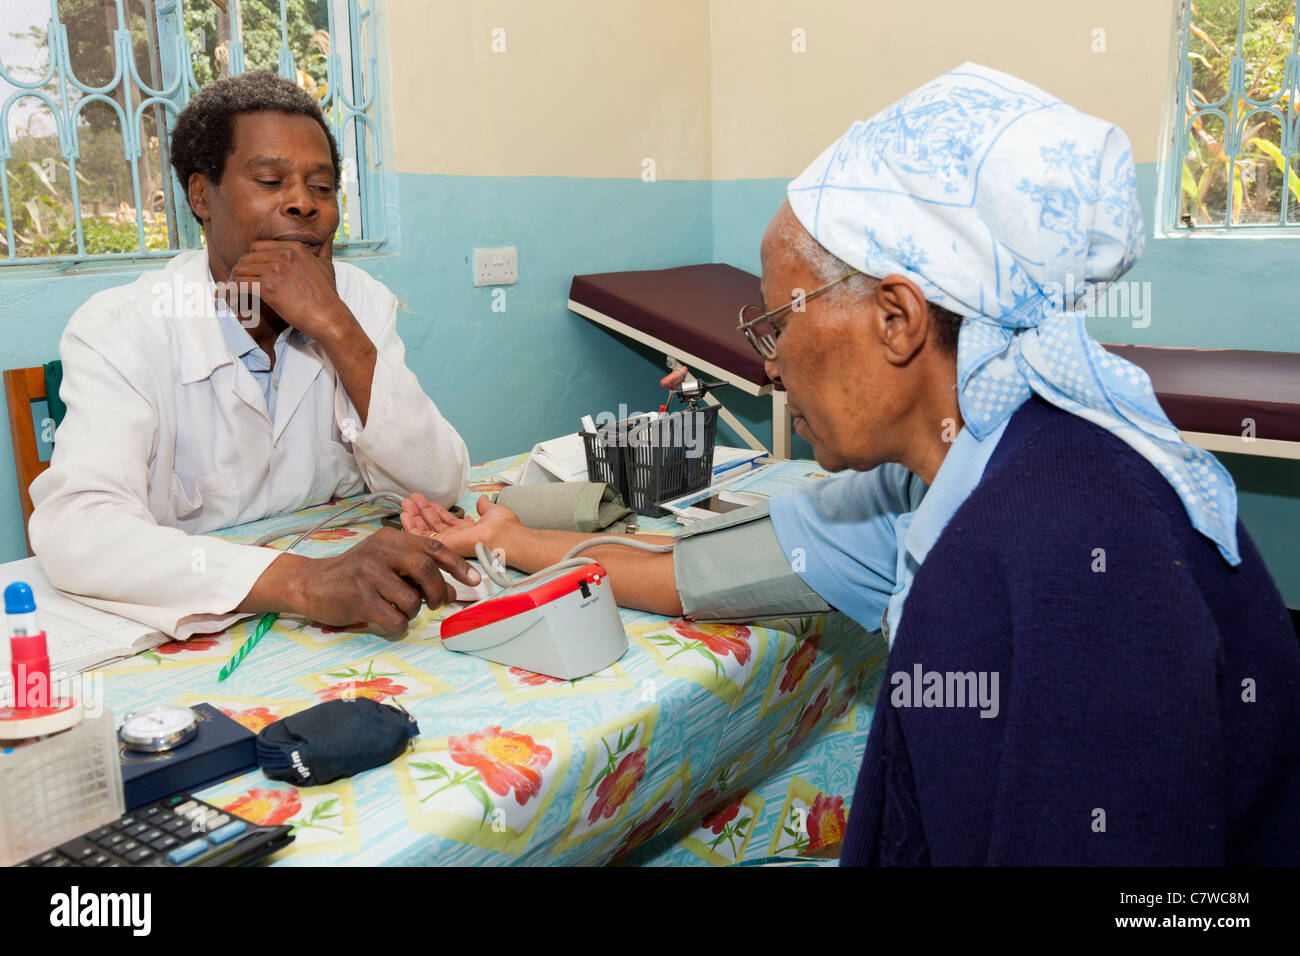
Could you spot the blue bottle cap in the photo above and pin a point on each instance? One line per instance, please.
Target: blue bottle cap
(18, 599)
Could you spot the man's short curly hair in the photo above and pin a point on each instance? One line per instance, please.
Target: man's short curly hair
(205, 130)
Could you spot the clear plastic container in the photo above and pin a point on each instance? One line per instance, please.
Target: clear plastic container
(58, 788)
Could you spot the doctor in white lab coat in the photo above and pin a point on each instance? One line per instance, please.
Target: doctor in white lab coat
(169, 434)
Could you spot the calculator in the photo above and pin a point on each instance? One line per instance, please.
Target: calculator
(177, 831)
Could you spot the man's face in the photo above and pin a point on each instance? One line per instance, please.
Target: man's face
(278, 184)
(840, 390)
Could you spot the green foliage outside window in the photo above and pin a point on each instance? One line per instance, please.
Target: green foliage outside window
(38, 175)
(1255, 175)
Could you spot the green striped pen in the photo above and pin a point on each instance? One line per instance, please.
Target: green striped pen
(263, 626)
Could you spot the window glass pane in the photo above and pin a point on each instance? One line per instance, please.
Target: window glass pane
(105, 183)
(1265, 43)
(309, 40)
(306, 28)
(39, 193)
(209, 33)
(358, 148)
(1258, 196)
(1213, 27)
(1293, 190)
(1205, 182)
(155, 181)
(36, 175)
(259, 31)
(90, 25)
(22, 41)
(349, 197)
(1255, 179)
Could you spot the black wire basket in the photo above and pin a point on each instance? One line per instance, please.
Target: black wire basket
(653, 461)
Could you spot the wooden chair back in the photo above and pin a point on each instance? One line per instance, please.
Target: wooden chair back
(22, 387)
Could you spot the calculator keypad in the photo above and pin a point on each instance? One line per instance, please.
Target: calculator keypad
(178, 831)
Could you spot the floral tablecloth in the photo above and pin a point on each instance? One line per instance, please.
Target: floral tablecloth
(705, 744)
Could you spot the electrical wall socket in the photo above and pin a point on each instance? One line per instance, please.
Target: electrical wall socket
(496, 266)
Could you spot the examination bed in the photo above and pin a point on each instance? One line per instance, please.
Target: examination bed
(690, 314)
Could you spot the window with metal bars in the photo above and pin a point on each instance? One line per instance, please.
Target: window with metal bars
(1232, 151)
(90, 90)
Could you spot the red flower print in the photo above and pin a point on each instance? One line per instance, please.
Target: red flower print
(825, 821)
(615, 789)
(846, 701)
(721, 639)
(333, 534)
(533, 680)
(721, 815)
(504, 759)
(799, 663)
(203, 642)
(266, 807)
(707, 799)
(253, 718)
(646, 829)
(808, 719)
(376, 689)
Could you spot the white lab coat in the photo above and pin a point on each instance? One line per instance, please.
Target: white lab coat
(167, 437)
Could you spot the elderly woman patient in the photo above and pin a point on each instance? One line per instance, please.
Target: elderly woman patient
(1021, 518)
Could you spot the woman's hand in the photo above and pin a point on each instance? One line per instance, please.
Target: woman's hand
(674, 379)
(427, 518)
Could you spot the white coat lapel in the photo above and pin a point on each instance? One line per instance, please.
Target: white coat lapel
(203, 348)
(302, 364)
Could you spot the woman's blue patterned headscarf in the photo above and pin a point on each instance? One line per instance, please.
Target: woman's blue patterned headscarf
(1013, 209)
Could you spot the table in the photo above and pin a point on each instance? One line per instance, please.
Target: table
(705, 744)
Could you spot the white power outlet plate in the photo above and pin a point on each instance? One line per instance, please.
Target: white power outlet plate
(496, 266)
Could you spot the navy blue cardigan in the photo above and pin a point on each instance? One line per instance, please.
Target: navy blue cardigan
(1148, 714)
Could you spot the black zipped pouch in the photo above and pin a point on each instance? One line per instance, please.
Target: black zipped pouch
(338, 738)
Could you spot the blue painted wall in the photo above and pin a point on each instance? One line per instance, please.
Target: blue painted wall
(504, 379)
(1211, 293)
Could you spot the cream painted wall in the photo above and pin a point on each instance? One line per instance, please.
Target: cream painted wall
(584, 87)
(775, 110)
(711, 89)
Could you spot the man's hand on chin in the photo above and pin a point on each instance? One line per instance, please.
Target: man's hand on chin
(294, 275)
(382, 581)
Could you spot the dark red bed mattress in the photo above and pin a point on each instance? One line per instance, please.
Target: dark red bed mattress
(1204, 390)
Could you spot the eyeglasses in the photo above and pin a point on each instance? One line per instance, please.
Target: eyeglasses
(761, 331)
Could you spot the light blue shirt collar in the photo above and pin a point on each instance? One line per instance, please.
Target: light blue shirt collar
(237, 337)
(918, 530)
(243, 347)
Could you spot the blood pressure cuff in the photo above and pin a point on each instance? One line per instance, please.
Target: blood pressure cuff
(584, 506)
(731, 568)
(335, 739)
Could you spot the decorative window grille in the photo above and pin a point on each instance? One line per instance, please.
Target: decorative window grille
(1235, 138)
(90, 91)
